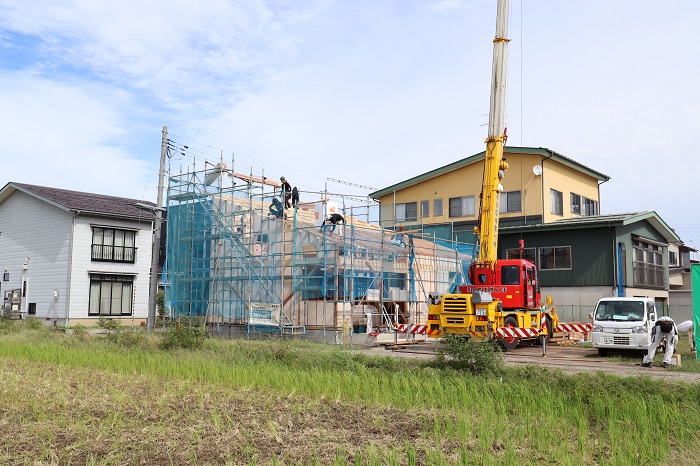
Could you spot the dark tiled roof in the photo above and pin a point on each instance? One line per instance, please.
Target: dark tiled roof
(98, 204)
(583, 221)
(601, 220)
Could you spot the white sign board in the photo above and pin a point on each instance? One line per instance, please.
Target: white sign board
(264, 314)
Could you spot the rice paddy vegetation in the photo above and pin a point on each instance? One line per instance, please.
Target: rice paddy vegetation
(130, 398)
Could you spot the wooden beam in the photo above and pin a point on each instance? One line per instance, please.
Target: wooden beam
(254, 179)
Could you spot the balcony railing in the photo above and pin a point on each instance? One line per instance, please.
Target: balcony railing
(107, 253)
(649, 275)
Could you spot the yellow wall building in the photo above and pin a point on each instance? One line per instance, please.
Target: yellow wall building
(540, 186)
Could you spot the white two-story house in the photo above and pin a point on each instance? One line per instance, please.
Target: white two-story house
(70, 257)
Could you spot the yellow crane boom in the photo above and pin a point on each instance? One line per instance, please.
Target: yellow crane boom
(495, 164)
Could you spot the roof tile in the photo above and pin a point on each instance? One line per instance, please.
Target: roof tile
(98, 204)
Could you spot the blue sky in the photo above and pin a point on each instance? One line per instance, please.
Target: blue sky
(369, 92)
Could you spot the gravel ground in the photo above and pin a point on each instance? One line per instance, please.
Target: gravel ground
(569, 359)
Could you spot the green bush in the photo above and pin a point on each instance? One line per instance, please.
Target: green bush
(477, 356)
(160, 303)
(128, 338)
(186, 334)
(80, 331)
(108, 324)
(34, 324)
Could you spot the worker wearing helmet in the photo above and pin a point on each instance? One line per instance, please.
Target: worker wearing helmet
(664, 327)
(286, 192)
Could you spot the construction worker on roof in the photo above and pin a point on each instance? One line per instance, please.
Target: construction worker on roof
(333, 220)
(286, 192)
(276, 209)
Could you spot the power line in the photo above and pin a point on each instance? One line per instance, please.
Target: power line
(351, 184)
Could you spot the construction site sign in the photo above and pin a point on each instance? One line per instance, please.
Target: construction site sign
(264, 314)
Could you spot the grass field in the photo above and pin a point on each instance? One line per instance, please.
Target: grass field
(80, 399)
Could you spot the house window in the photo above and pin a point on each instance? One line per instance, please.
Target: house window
(411, 211)
(648, 264)
(407, 212)
(556, 201)
(555, 258)
(110, 295)
(575, 203)
(462, 206)
(112, 245)
(437, 207)
(424, 209)
(590, 207)
(528, 254)
(672, 258)
(510, 201)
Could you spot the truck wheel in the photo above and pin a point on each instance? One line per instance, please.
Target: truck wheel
(602, 351)
(509, 343)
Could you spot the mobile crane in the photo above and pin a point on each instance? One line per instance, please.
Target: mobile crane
(503, 298)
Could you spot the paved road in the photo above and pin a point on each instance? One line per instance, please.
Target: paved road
(569, 359)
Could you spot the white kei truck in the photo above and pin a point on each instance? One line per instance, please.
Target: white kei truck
(623, 324)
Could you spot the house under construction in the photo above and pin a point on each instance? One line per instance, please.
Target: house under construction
(232, 261)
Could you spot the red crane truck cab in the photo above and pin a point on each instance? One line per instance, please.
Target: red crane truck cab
(512, 281)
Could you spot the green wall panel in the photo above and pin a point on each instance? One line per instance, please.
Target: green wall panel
(592, 255)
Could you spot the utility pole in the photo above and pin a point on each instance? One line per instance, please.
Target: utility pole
(155, 251)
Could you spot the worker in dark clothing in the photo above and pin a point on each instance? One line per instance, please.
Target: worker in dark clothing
(286, 192)
(664, 327)
(333, 219)
(276, 208)
(295, 196)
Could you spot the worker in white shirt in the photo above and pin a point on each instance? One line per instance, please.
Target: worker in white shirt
(664, 327)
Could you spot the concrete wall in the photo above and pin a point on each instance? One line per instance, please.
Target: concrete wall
(574, 304)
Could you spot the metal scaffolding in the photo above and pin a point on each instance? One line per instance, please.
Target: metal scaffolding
(231, 261)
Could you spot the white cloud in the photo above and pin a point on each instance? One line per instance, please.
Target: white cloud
(371, 92)
(177, 51)
(67, 137)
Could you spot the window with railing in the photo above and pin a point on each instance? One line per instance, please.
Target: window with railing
(113, 245)
(648, 264)
(575, 201)
(589, 207)
(582, 205)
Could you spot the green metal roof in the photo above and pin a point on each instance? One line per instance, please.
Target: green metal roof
(601, 220)
(544, 152)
